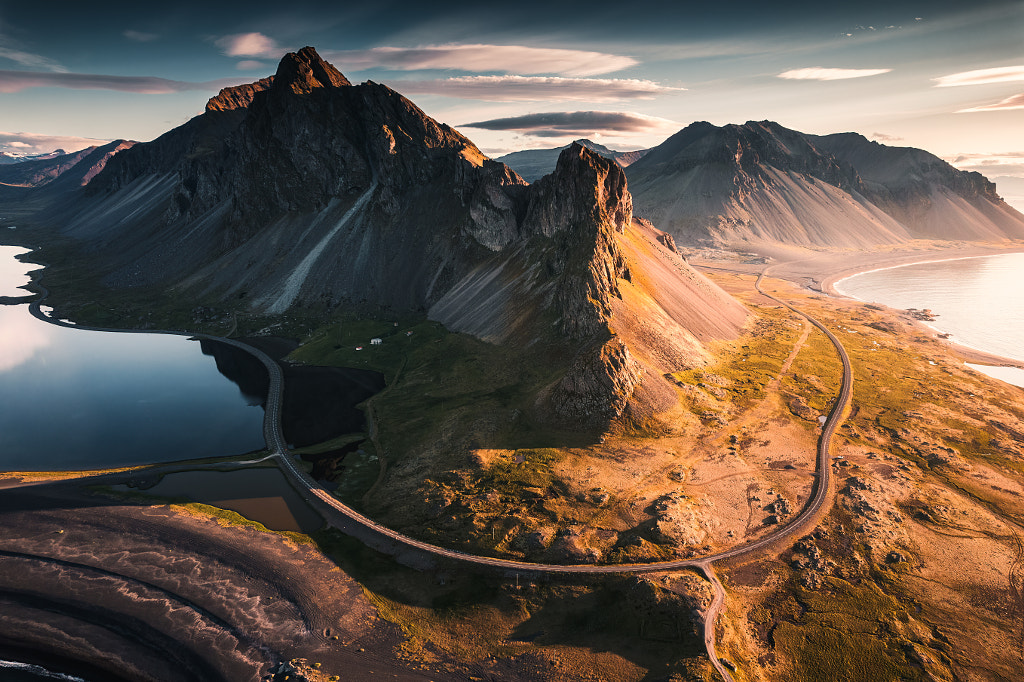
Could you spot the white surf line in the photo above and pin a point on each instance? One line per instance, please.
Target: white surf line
(835, 285)
(294, 283)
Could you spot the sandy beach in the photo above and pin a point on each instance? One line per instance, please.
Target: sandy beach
(820, 270)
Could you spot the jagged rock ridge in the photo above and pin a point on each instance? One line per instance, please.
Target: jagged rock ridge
(762, 182)
(634, 308)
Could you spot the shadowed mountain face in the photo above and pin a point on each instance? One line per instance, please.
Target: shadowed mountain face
(533, 164)
(762, 182)
(303, 190)
(300, 189)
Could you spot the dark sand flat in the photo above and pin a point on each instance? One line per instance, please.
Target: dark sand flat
(139, 592)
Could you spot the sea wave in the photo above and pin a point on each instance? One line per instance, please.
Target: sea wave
(39, 671)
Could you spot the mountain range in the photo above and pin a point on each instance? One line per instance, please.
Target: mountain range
(303, 191)
(762, 182)
(60, 170)
(532, 164)
(8, 158)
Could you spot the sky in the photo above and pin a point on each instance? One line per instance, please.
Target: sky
(943, 76)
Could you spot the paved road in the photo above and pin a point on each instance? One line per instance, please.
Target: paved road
(380, 537)
(818, 498)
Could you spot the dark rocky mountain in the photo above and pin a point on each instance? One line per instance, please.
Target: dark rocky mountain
(927, 195)
(607, 281)
(301, 189)
(532, 164)
(761, 182)
(305, 191)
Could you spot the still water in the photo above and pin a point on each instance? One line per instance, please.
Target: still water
(73, 399)
(260, 494)
(979, 301)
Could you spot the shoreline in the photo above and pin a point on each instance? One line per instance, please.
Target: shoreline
(823, 271)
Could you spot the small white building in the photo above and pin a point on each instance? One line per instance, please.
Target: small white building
(375, 341)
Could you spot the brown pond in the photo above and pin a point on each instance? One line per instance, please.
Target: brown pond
(260, 494)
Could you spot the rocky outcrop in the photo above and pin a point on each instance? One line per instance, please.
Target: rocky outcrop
(304, 71)
(598, 386)
(239, 96)
(681, 522)
(580, 208)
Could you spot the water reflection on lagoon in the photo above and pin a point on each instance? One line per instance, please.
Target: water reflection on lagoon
(75, 399)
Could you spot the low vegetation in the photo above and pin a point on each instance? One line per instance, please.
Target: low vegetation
(911, 574)
(931, 458)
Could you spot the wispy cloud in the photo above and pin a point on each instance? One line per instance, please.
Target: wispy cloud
(250, 65)
(576, 123)
(995, 164)
(536, 88)
(1008, 104)
(32, 61)
(34, 143)
(16, 81)
(820, 73)
(250, 45)
(520, 59)
(1003, 74)
(882, 137)
(140, 36)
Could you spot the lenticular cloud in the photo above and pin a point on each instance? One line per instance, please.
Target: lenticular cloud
(819, 73)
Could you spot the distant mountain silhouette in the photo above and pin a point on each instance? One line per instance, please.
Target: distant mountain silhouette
(532, 164)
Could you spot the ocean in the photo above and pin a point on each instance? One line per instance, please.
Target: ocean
(978, 301)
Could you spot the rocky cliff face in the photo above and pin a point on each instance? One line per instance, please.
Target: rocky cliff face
(926, 194)
(581, 207)
(238, 96)
(762, 182)
(302, 189)
(745, 151)
(585, 268)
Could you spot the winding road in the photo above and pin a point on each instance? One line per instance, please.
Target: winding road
(337, 514)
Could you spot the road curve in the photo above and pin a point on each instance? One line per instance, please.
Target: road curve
(380, 537)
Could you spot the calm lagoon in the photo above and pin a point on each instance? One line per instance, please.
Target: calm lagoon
(76, 399)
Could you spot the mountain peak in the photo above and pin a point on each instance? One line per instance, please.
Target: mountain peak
(303, 71)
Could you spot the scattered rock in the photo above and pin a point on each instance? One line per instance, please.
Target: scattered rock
(801, 409)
